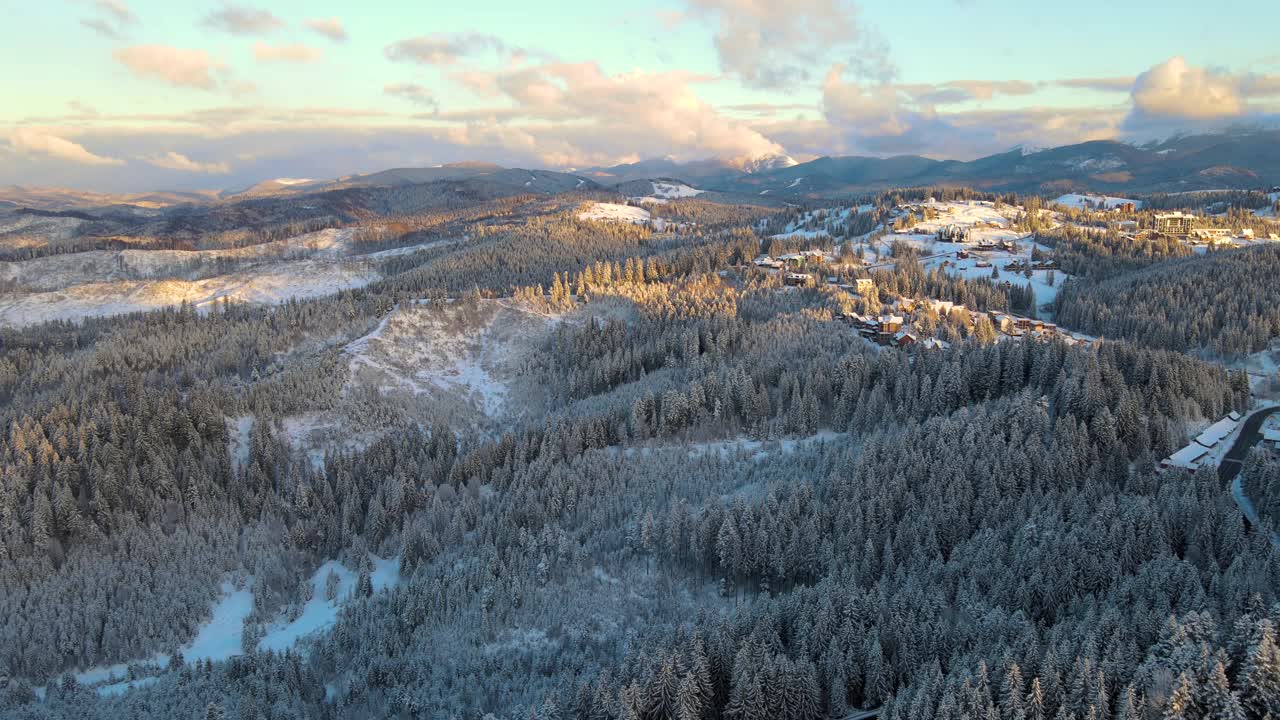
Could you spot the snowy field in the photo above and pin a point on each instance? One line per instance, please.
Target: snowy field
(103, 283)
(664, 191)
(820, 223)
(221, 637)
(462, 359)
(615, 212)
(1082, 202)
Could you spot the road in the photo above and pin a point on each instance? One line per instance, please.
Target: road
(1229, 469)
(1250, 435)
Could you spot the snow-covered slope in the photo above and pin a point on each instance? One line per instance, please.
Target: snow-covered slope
(1080, 202)
(101, 283)
(615, 212)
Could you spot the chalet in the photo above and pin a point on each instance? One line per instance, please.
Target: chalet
(1177, 224)
(1125, 207)
(798, 279)
(1246, 234)
(903, 339)
(962, 254)
(1210, 234)
(1004, 323)
(1271, 436)
(953, 233)
(891, 324)
(906, 305)
(1217, 432)
(982, 264)
(1188, 458)
(765, 261)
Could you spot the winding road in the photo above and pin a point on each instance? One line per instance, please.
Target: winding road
(1250, 435)
(1229, 468)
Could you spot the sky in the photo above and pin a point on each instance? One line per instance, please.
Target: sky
(129, 95)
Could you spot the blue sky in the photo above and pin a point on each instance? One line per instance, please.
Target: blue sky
(138, 94)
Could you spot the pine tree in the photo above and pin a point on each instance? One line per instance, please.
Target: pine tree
(689, 702)
(1260, 681)
(1217, 698)
(1181, 704)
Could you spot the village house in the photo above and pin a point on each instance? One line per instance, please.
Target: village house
(798, 279)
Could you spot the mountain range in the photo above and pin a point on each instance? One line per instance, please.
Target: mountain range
(1242, 159)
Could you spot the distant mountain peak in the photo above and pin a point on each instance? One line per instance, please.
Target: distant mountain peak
(763, 163)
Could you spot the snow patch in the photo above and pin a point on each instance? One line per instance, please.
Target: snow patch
(614, 212)
(1081, 202)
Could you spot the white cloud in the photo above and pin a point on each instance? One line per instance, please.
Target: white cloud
(775, 44)
(330, 27)
(888, 119)
(177, 161)
(30, 141)
(293, 52)
(1175, 88)
(176, 66)
(241, 20)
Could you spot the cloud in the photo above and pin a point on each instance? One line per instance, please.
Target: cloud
(176, 66)
(331, 28)
(293, 53)
(1175, 88)
(412, 92)
(177, 161)
(115, 16)
(1104, 84)
(960, 91)
(30, 141)
(241, 20)
(575, 114)
(888, 119)
(444, 49)
(774, 44)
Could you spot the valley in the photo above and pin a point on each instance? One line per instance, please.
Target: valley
(585, 449)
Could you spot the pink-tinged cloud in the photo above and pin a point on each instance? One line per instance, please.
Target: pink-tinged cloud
(575, 114)
(179, 67)
(31, 141)
(177, 161)
(330, 27)
(292, 53)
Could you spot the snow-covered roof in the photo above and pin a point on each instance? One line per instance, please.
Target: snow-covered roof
(1271, 434)
(1217, 432)
(1188, 457)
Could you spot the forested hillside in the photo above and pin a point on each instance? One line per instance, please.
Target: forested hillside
(1226, 302)
(728, 504)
